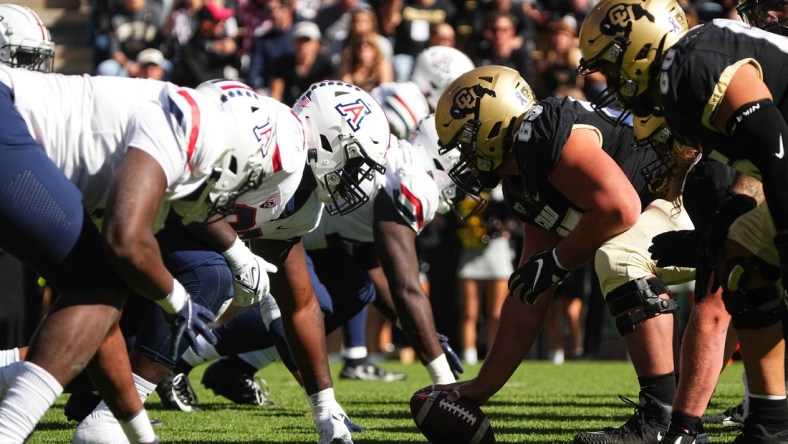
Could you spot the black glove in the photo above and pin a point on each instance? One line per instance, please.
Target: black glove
(675, 248)
(536, 276)
(451, 356)
(712, 238)
(191, 319)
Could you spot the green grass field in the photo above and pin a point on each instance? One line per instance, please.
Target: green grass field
(542, 403)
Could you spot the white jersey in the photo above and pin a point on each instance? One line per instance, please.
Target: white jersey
(278, 209)
(408, 185)
(85, 124)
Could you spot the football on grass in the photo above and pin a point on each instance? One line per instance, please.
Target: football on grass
(443, 422)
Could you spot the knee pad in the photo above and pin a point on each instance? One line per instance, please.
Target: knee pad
(642, 294)
(743, 304)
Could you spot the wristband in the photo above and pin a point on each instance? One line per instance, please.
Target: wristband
(238, 253)
(175, 300)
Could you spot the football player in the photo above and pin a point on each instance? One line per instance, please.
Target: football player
(720, 86)
(122, 151)
(573, 179)
(325, 161)
(414, 172)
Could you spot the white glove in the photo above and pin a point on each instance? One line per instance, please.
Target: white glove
(333, 428)
(250, 274)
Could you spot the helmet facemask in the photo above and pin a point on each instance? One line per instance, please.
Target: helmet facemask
(659, 172)
(769, 15)
(347, 188)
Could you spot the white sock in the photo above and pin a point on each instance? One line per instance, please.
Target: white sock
(138, 428)
(440, 371)
(209, 353)
(7, 375)
(9, 356)
(143, 386)
(358, 352)
(470, 355)
(260, 359)
(34, 390)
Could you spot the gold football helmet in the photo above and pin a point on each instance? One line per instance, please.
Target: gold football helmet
(625, 41)
(478, 114)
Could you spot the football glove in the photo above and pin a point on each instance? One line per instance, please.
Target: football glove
(186, 318)
(536, 276)
(250, 274)
(675, 248)
(454, 361)
(336, 427)
(713, 236)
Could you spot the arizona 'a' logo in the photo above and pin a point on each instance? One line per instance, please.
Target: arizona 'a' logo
(468, 100)
(264, 134)
(354, 111)
(620, 18)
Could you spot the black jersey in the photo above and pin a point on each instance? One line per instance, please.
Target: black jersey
(538, 146)
(696, 72)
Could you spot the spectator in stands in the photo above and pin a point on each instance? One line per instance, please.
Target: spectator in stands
(442, 34)
(135, 25)
(362, 21)
(180, 26)
(292, 74)
(413, 30)
(334, 22)
(273, 44)
(499, 46)
(363, 63)
(524, 27)
(558, 66)
(210, 53)
(151, 62)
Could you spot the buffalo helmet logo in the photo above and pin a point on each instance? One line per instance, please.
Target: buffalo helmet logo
(468, 100)
(620, 18)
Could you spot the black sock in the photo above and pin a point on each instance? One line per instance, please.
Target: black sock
(680, 421)
(182, 367)
(772, 414)
(662, 387)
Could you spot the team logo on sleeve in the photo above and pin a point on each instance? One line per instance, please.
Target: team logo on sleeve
(468, 100)
(621, 17)
(354, 111)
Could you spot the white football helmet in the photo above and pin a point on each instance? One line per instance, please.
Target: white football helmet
(347, 137)
(425, 140)
(435, 68)
(404, 105)
(250, 126)
(24, 40)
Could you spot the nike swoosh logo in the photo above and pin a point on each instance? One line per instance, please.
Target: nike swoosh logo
(780, 153)
(539, 263)
(659, 436)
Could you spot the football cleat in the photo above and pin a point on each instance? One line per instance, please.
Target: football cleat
(649, 424)
(177, 393)
(754, 433)
(99, 427)
(732, 417)
(369, 372)
(681, 437)
(238, 387)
